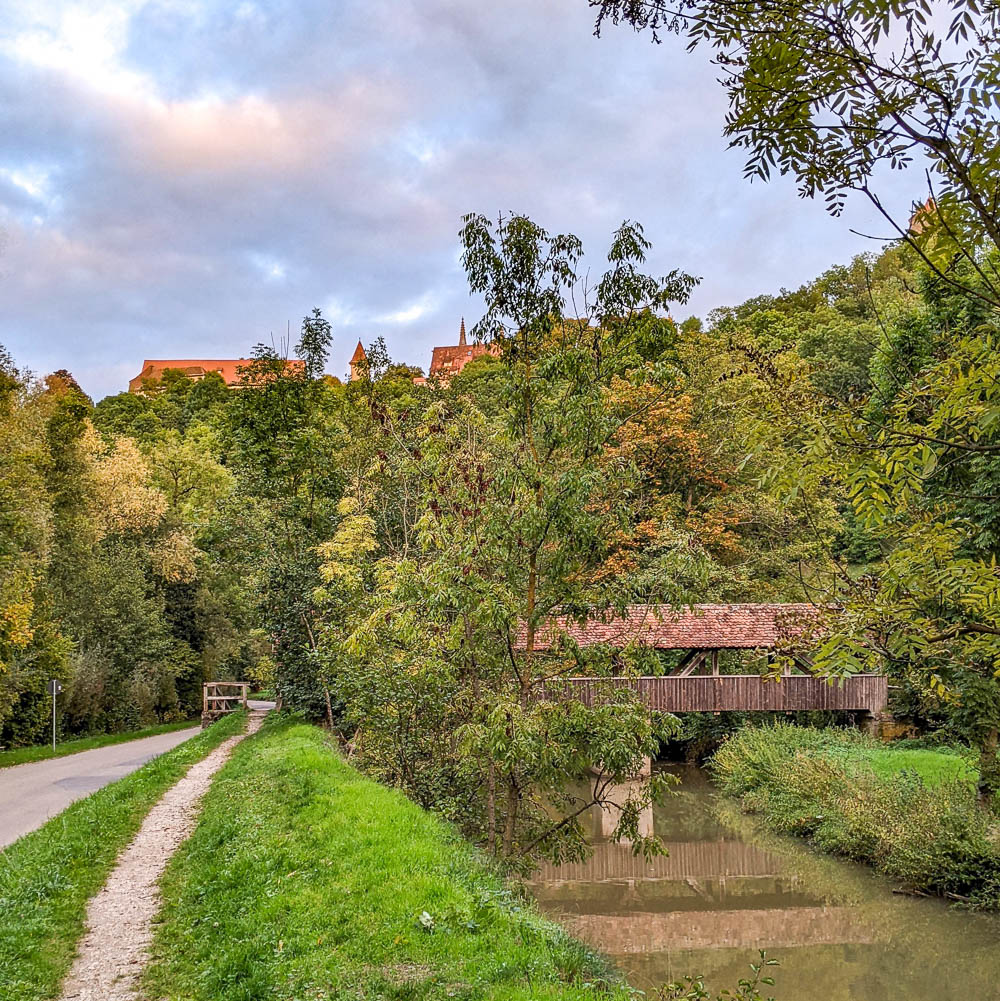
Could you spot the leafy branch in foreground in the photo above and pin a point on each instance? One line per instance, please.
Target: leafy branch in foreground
(748, 988)
(831, 92)
(513, 500)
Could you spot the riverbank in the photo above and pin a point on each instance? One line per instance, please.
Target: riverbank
(305, 879)
(48, 876)
(912, 814)
(42, 752)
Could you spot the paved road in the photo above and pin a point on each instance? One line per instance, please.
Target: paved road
(30, 794)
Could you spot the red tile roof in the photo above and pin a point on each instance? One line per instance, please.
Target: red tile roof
(197, 368)
(697, 627)
(450, 360)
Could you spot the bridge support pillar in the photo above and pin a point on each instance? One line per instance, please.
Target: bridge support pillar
(880, 725)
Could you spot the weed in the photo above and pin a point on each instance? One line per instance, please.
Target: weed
(911, 813)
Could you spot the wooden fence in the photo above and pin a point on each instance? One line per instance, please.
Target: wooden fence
(216, 701)
(733, 692)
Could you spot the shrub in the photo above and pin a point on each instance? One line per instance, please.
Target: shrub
(844, 792)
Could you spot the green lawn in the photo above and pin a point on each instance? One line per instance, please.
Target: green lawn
(47, 877)
(305, 880)
(935, 767)
(22, 755)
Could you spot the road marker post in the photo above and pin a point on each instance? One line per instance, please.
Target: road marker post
(54, 689)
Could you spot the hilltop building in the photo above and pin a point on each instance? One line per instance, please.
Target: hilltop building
(449, 360)
(446, 361)
(197, 368)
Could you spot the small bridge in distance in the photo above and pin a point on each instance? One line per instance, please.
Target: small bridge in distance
(704, 631)
(221, 697)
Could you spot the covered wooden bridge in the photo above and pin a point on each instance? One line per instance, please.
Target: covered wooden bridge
(702, 632)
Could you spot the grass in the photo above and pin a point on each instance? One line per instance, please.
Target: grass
(935, 767)
(305, 880)
(911, 813)
(22, 755)
(47, 877)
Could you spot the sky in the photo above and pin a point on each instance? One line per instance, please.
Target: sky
(182, 179)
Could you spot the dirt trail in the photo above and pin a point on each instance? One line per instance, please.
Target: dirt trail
(114, 950)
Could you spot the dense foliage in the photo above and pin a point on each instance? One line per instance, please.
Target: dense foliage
(582, 466)
(389, 553)
(832, 93)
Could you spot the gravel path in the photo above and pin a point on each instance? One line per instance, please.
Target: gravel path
(114, 949)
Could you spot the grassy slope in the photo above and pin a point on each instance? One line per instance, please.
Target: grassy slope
(306, 880)
(22, 755)
(47, 877)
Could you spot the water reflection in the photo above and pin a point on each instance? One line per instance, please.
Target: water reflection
(727, 889)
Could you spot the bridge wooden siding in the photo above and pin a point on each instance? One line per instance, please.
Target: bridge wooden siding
(867, 693)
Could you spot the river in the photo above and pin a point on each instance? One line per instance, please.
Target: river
(728, 888)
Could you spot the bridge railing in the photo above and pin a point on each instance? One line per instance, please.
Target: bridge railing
(217, 701)
(732, 692)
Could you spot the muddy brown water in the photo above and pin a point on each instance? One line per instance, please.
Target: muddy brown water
(728, 888)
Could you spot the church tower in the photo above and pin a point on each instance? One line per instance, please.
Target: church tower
(357, 358)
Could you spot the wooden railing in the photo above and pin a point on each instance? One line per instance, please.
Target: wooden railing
(216, 701)
(728, 692)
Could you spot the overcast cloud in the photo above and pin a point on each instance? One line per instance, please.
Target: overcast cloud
(181, 178)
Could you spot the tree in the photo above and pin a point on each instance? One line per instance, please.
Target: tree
(833, 92)
(282, 440)
(520, 498)
(187, 471)
(32, 648)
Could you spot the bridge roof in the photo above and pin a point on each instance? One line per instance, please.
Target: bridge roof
(694, 627)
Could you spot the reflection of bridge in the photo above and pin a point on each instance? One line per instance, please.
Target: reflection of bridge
(621, 934)
(686, 860)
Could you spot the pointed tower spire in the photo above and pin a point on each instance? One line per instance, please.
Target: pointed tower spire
(358, 357)
(461, 334)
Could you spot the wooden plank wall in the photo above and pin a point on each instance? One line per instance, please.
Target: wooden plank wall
(733, 692)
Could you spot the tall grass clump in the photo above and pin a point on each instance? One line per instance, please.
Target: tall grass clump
(916, 819)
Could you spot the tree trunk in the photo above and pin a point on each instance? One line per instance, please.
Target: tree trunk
(510, 821)
(329, 708)
(491, 808)
(989, 768)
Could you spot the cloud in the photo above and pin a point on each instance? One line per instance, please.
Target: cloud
(186, 177)
(407, 315)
